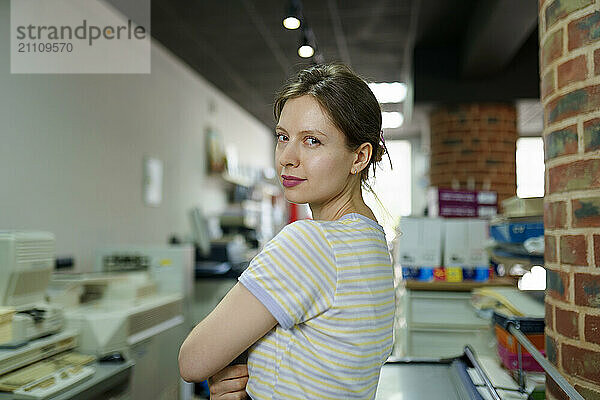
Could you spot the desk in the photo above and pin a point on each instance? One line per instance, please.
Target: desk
(110, 376)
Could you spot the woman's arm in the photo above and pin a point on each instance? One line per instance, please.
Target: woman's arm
(237, 322)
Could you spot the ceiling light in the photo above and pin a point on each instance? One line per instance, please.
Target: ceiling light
(306, 51)
(391, 119)
(291, 22)
(394, 92)
(293, 16)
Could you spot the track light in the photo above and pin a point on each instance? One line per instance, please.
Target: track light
(293, 16)
(306, 51)
(291, 23)
(307, 48)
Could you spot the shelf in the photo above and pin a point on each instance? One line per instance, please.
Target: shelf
(464, 286)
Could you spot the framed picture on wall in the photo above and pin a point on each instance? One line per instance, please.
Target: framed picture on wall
(153, 181)
(215, 151)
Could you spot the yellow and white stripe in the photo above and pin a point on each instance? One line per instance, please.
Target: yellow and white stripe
(329, 285)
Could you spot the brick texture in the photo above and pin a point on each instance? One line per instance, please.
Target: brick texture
(551, 350)
(596, 245)
(588, 393)
(573, 103)
(554, 389)
(558, 9)
(573, 250)
(587, 290)
(550, 248)
(549, 317)
(574, 70)
(581, 363)
(586, 212)
(567, 323)
(570, 94)
(557, 284)
(561, 142)
(547, 84)
(592, 329)
(584, 31)
(474, 144)
(552, 48)
(591, 135)
(555, 215)
(578, 175)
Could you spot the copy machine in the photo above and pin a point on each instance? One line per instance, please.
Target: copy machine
(36, 360)
(133, 307)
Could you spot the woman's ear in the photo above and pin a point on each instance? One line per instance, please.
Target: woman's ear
(362, 157)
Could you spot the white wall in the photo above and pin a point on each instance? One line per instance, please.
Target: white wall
(71, 150)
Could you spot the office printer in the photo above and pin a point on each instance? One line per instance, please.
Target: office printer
(36, 357)
(26, 264)
(133, 306)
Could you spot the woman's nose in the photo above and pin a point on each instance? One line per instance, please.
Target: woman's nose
(289, 155)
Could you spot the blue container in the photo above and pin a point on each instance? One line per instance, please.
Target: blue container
(426, 274)
(410, 273)
(482, 274)
(516, 232)
(477, 274)
(468, 274)
(417, 273)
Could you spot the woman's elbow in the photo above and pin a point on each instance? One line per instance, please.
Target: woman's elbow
(189, 368)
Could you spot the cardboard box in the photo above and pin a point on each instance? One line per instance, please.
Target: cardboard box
(431, 242)
(456, 249)
(419, 248)
(461, 203)
(478, 230)
(465, 242)
(518, 207)
(408, 249)
(420, 244)
(458, 244)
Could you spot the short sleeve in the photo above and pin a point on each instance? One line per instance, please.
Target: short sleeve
(294, 276)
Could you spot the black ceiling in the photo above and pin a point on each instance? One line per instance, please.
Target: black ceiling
(452, 50)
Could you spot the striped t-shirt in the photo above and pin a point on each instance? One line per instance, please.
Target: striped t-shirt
(329, 285)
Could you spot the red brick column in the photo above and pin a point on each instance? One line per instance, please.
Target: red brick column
(570, 87)
(473, 146)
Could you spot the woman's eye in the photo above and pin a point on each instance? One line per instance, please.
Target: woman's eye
(280, 137)
(312, 141)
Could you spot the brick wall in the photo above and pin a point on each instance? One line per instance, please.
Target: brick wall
(473, 146)
(570, 88)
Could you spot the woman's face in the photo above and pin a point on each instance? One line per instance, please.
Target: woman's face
(311, 157)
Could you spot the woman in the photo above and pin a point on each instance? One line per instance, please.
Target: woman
(317, 303)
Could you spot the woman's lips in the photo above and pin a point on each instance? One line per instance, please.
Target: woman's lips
(289, 181)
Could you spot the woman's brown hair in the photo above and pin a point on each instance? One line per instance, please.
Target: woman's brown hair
(347, 99)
